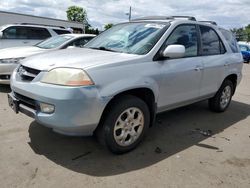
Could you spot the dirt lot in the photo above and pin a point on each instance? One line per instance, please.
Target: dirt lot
(176, 153)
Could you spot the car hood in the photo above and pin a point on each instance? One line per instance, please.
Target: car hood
(18, 52)
(77, 58)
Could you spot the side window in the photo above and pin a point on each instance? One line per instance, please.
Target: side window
(230, 40)
(210, 42)
(15, 33)
(36, 33)
(185, 35)
(60, 32)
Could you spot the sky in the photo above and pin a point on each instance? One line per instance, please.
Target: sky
(227, 13)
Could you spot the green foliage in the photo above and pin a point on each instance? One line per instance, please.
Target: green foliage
(90, 30)
(77, 14)
(107, 26)
(242, 34)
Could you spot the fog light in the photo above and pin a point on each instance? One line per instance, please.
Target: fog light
(47, 108)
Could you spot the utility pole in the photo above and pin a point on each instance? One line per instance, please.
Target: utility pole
(84, 23)
(130, 13)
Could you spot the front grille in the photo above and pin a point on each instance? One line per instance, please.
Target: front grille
(31, 103)
(27, 74)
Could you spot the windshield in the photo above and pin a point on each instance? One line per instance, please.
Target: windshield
(54, 42)
(2, 27)
(132, 38)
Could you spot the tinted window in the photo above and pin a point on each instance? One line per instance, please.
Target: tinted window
(80, 42)
(210, 42)
(231, 40)
(38, 33)
(15, 33)
(20, 32)
(60, 32)
(185, 35)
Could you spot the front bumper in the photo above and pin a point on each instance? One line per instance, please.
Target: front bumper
(77, 109)
(5, 72)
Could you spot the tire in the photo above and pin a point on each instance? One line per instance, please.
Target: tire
(117, 124)
(222, 99)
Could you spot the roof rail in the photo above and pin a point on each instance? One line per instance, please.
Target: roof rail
(210, 22)
(165, 18)
(41, 25)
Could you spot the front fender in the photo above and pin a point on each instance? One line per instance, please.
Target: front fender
(120, 86)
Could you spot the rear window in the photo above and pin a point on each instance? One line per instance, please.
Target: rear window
(60, 32)
(230, 40)
(244, 48)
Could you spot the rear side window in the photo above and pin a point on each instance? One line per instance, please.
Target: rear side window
(60, 32)
(230, 40)
(15, 33)
(26, 33)
(36, 33)
(185, 35)
(210, 42)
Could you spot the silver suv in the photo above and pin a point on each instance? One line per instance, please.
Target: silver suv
(27, 34)
(115, 86)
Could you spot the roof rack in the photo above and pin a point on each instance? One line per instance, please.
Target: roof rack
(41, 25)
(210, 22)
(165, 18)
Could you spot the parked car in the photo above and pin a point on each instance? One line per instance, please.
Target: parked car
(10, 57)
(27, 34)
(117, 83)
(245, 50)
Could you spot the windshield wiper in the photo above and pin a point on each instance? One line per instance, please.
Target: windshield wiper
(103, 48)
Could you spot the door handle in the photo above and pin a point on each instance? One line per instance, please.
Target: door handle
(226, 64)
(25, 42)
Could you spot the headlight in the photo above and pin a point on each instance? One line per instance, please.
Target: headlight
(67, 77)
(11, 60)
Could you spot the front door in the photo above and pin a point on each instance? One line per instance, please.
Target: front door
(181, 78)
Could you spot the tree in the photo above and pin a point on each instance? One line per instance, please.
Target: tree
(76, 14)
(107, 26)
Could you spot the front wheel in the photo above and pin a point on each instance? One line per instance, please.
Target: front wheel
(222, 99)
(125, 124)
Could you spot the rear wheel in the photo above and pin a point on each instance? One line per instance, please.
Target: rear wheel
(125, 124)
(222, 99)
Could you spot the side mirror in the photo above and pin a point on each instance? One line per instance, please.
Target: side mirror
(1, 34)
(174, 51)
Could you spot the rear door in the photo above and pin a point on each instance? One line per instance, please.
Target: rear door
(215, 60)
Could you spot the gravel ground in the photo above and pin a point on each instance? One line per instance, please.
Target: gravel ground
(188, 147)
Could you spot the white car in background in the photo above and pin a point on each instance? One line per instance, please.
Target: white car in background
(13, 35)
(10, 57)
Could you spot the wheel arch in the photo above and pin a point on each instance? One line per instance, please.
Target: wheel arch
(144, 93)
(233, 78)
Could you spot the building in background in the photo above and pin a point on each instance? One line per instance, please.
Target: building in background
(14, 18)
